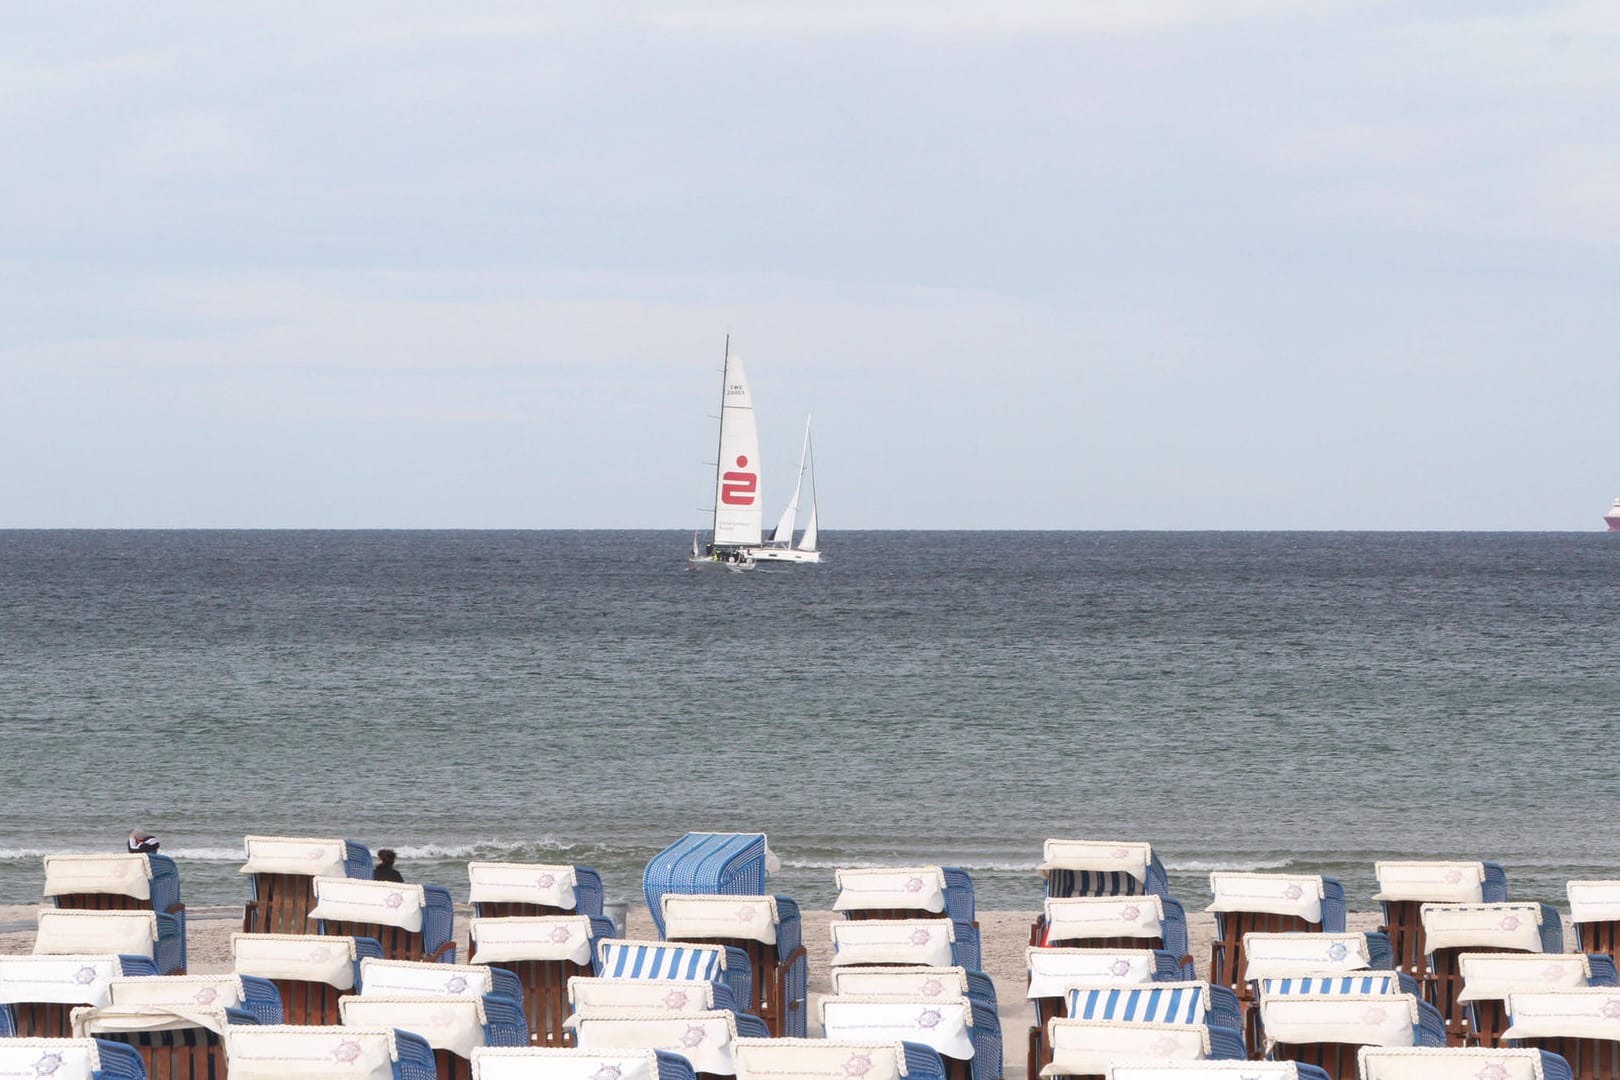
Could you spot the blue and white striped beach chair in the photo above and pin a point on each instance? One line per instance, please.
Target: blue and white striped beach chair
(1460, 1063)
(765, 928)
(1581, 1026)
(727, 864)
(116, 882)
(1053, 970)
(829, 1059)
(1328, 1030)
(152, 934)
(281, 872)
(1102, 868)
(310, 972)
(932, 984)
(69, 1059)
(498, 890)
(1405, 886)
(176, 1040)
(1190, 1002)
(704, 1038)
(617, 958)
(1450, 930)
(1246, 903)
(1217, 1070)
(332, 1053)
(39, 993)
(411, 922)
(947, 1027)
(570, 1063)
(452, 1024)
(1488, 979)
(543, 952)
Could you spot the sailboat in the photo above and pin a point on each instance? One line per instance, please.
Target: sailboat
(737, 537)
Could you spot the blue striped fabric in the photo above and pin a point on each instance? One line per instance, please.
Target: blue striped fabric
(627, 960)
(1362, 982)
(1181, 1003)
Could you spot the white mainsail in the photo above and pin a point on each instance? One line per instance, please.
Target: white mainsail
(738, 510)
(807, 542)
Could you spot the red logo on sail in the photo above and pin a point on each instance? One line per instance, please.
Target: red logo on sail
(738, 488)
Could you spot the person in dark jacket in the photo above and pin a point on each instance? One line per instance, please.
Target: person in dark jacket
(141, 842)
(384, 870)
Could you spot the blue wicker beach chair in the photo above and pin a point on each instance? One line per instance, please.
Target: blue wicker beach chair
(498, 890)
(1594, 908)
(1488, 979)
(905, 892)
(408, 978)
(1247, 903)
(1458, 1063)
(70, 1059)
(1102, 868)
(116, 882)
(1053, 970)
(617, 958)
(1404, 887)
(928, 985)
(558, 1063)
(910, 942)
(153, 934)
(1089, 1048)
(181, 1040)
(1190, 1002)
(765, 928)
(728, 864)
(705, 1039)
(332, 1053)
(542, 953)
(281, 874)
(946, 1026)
(1451, 930)
(257, 997)
(1115, 922)
(1215, 1070)
(828, 1059)
(1328, 1030)
(39, 993)
(452, 1024)
(1581, 1026)
(675, 995)
(309, 972)
(411, 922)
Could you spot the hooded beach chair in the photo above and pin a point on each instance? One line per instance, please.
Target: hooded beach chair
(69, 1059)
(1053, 970)
(1460, 1063)
(1488, 979)
(542, 952)
(768, 930)
(905, 892)
(1267, 904)
(723, 864)
(705, 1039)
(452, 1024)
(1314, 958)
(1451, 930)
(946, 1027)
(1328, 1030)
(907, 942)
(924, 984)
(1087, 1049)
(407, 978)
(833, 1059)
(1404, 887)
(1216, 1070)
(1594, 908)
(497, 890)
(673, 995)
(558, 1063)
(182, 1040)
(1102, 868)
(39, 993)
(257, 997)
(116, 882)
(152, 934)
(1115, 922)
(411, 922)
(1187, 1002)
(281, 874)
(1581, 1026)
(330, 1053)
(309, 971)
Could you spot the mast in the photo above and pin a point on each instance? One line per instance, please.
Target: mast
(720, 438)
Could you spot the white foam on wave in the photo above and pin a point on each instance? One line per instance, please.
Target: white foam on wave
(1249, 865)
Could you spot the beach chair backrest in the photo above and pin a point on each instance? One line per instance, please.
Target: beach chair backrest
(904, 888)
(1051, 970)
(1431, 882)
(1089, 918)
(1590, 1013)
(1593, 901)
(729, 864)
(538, 937)
(1361, 982)
(671, 995)
(1271, 956)
(63, 980)
(619, 958)
(1493, 976)
(1449, 1063)
(1100, 868)
(58, 1059)
(117, 875)
(1158, 1003)
(945, 1026)
(1512, 927)
(913, 942)
(817, 1059)
(331, 960)
(703, 1038)
(1213, 1070)
(70, 932)
(296, 856)
(1090, 1047)
(410, 978)
(566, 1063)
(542, 885)
(930, 983)
(1298, 895)
(697, 917)
(1357, 1019)
(279, 1053)
(384, 903)
(179, 991)
(449, 1022)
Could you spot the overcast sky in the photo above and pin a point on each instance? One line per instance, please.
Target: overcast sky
(1232, 264)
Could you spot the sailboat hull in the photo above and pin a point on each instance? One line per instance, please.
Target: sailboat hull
(783, 555)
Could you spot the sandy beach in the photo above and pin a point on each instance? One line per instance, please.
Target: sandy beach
(1004, 936)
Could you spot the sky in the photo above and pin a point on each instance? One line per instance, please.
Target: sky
(1097, 264)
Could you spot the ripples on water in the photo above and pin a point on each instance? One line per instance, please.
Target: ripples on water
(1300, 701)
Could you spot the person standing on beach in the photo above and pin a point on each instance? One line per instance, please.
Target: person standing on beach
(385, 870)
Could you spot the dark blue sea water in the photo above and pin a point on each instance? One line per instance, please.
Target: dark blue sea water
(1301, 700)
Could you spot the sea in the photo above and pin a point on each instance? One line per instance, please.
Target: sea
(1302, 702)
